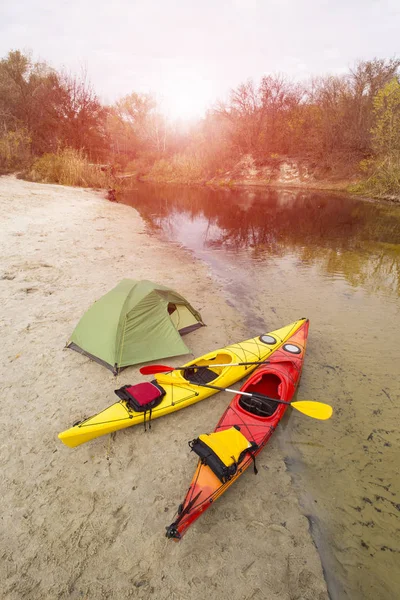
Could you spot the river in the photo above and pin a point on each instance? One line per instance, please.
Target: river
(281, 255)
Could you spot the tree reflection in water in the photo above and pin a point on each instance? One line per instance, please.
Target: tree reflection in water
(343, 236)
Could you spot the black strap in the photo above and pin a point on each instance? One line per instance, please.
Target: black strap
(186, 509)
(253, 456)
(150, 411)
(251, 452)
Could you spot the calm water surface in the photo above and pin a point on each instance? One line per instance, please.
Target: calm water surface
(283, 255)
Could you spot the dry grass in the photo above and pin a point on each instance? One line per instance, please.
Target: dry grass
(15, 150)
(181, 168)
(69, 167)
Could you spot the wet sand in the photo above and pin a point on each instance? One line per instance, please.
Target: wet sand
(89, 523)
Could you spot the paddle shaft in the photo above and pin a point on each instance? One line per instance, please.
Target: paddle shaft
(257, 362)
(315, 410)
(260, 396)
(154, 369)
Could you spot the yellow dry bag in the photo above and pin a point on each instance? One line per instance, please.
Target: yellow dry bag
(222, 451)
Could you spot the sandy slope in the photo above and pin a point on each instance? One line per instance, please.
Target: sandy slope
(89, 523)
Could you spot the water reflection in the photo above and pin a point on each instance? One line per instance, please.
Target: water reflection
(344, 237)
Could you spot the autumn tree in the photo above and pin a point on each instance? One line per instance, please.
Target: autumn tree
(383, 171)
(242, 112)
(280, 114)
(26, 98)
(136, 125)
(81, 115)
(365, 80)
(55, 109)
(386, 131)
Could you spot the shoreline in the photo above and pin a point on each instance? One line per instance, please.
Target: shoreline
(90, 522)
(340, 188)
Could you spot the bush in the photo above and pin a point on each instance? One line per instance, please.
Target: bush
(141, 165)
(70, 167)
(181, 168)
(15, 150)
(383, 179)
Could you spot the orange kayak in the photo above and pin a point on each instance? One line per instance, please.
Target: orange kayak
(251, 420)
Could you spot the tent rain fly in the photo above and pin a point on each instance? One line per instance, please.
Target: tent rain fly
(136, 322)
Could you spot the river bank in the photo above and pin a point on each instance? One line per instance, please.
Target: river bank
(279, 172)
(90, 522)
(71, 168)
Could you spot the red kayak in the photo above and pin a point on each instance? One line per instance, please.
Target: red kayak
(242, 432)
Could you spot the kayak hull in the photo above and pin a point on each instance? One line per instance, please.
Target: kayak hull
(179, 391)
(278, 379)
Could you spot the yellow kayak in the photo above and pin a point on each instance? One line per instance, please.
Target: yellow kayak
(179, 386)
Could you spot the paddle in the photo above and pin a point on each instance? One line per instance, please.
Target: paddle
(153, 369)
(315, 410)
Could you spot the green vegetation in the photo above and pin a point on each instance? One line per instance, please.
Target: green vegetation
(342, 127)
(383, 171)
(382, 181)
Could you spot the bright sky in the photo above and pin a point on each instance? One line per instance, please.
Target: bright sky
(191, 52)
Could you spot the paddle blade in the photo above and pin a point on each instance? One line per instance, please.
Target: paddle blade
(315, 410)
(153, 369)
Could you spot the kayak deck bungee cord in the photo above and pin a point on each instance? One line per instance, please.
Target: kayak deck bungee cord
(177, 389)
(243, 430)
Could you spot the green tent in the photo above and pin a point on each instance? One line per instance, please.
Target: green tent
(136, 322)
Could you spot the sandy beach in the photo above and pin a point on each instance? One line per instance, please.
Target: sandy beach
(90, 522)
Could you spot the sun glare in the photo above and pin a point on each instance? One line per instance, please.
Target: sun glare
(187, 98)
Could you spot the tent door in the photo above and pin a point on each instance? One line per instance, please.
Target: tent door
(182, 318)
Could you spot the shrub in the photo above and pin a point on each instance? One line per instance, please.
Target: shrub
(70, 167)
(181, 168)
(383, 180)
(15, 150)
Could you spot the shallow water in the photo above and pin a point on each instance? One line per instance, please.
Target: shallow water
(281, 255)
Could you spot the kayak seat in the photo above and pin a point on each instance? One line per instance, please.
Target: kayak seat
(269, 385)
(199, 375)
(259, 407)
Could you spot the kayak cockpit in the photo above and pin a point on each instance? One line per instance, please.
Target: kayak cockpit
(268, 384)
(200, 376)
(203, 371)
